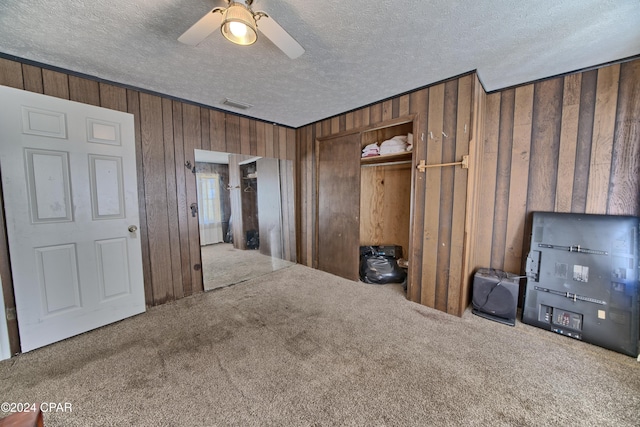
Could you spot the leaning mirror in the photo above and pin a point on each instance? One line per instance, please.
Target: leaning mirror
(245, 215)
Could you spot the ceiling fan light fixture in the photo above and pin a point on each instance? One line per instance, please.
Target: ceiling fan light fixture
(238, 24)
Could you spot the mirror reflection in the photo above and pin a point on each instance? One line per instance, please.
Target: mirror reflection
(245, 215)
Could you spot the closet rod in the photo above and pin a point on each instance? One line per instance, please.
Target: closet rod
(464, 163)
(368, 165)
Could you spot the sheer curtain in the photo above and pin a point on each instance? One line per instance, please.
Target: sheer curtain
(209, 208)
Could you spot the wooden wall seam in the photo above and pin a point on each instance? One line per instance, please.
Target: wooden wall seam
(624, 190)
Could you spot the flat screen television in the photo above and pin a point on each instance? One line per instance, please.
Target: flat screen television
(582, 278)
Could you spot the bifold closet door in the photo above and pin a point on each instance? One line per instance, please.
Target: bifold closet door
(339, 205)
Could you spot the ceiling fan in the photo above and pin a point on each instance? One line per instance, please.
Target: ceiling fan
(239, 24)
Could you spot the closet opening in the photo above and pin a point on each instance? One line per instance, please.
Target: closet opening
(365, 190)
(386, 169)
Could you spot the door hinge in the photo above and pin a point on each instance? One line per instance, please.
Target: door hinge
(11, 313)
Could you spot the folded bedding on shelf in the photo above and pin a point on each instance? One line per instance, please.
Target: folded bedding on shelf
(371, 150)
(397, 144)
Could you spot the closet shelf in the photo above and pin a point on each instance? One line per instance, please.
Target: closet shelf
(387, 158)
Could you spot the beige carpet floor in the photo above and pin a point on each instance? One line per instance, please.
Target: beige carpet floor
(299, 347)
(222, 265)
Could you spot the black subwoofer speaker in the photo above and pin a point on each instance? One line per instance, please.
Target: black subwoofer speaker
(495, 295)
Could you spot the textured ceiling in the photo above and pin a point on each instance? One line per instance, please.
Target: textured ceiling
(357, 52)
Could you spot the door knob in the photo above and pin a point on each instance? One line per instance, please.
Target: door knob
(132, 228)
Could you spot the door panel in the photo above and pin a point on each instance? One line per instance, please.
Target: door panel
(113, 268)
(339, 205)
(48, 185)
(58, 278)
(70, 194)
(107, 197)
(36, 121)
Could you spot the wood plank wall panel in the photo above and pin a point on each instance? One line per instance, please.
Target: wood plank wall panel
(624, 194)
(245, 139)
(166, 133)
(191, 131)
(503, 171)
(172, 198)
(434, 140)
(306, 200)
(486, 204)
(439, 204)
(419, 102)
(113, 97)
(268, 139)
(575, 148)
(205, 138)
(445, 214)
(11, 74)
(476, 148)
(32, 77)
(602, 141)
(133, 107)
(261, 149)
(153, 161)
(460, 180)
(183, 202)
(292, 144)
(545, 145)
(568, 141)
(583, 149)
(518, 178)
(55, 84)
(217, 131)
(83, 90)
(384, 202)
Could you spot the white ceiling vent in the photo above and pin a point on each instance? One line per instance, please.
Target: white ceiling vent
(237, 104)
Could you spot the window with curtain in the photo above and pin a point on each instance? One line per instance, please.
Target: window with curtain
(209, 208)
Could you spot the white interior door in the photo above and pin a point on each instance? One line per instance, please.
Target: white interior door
(70, 196)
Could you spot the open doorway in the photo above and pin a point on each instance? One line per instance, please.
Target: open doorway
(245, 216)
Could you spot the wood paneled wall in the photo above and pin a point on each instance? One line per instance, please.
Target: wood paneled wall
(385, 205)
(307, 162)
(167, 132)
(567, 144)
(444, 130)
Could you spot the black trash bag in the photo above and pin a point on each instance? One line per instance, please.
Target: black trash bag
(379, 269)
(229, 237)
(253, 239)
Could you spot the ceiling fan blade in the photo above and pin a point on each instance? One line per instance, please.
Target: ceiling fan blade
(274, 32)
(203, 28)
